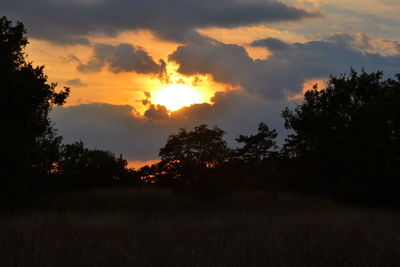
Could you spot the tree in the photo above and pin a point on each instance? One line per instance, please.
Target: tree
(202, 146)
(30, 143)
(257, 148)
(254, 164)
(347, 136)
(83, 168)
(190, 157)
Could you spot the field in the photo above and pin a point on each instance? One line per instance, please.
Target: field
(143, 227)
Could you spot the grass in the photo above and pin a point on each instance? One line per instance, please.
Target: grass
(144, 227)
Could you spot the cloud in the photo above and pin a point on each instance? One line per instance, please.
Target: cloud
(70, 22)
(122, 58)
(76, 82)
(93, 66)
(272, 44)
(236, 112)
(111, 127)
(282, 74)
(157, 113)
(382, 46)
(70, 58)
(121, 130)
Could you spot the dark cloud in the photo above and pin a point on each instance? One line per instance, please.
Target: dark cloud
(236, 112)
(76, 82)
(121, 130)
(147, 100)
(285, 71)
(68, 22)
(157, 113)
(122, 58)
(70, 58)
(111, 127)
(272, 44)
(93, 65)
(227, 63)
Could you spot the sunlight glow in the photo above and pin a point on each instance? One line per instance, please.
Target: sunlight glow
(176, 96)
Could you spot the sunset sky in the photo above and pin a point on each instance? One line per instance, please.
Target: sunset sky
(141, 69)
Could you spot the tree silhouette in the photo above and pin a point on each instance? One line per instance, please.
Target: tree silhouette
(202, 146)
(190, 157)
(254, 164)
(347, 136)
(30, 144)
(257, 148)
(82, 168)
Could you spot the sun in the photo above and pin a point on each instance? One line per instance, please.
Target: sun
(176, 96)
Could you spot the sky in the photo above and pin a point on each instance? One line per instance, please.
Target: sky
(141, 69)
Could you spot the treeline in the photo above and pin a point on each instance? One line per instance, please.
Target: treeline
(345, 143)
(80, 168)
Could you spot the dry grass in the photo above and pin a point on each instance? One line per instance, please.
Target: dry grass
(155, 228)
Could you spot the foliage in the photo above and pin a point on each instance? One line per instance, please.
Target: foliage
(200, 162)
(347, 136)
(257, 148)
(190, 158)
(83, 168)
(30, 144)
(202, 146)
(255, 163)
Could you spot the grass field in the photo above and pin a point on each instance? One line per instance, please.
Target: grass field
(156, 228)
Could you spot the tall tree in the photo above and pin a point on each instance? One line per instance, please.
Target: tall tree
(190, 157)
(29, 142)
(201, 146)
(348, 135)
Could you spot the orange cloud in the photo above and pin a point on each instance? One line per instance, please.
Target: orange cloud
(308, 85)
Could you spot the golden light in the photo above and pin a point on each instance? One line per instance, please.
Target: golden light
(176, 96)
